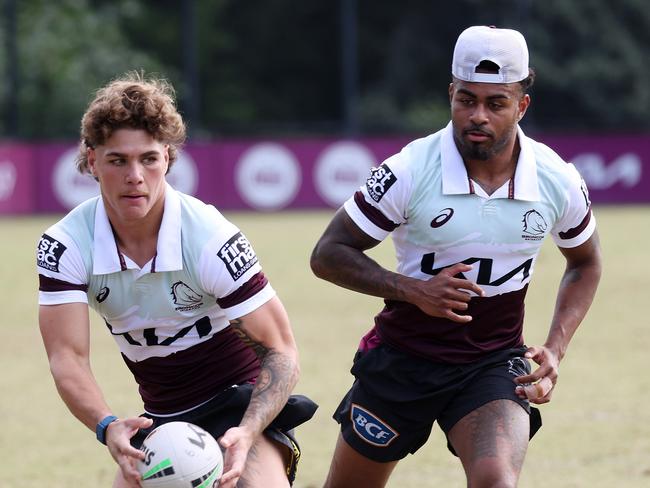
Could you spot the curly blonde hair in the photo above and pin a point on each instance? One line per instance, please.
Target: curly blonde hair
(132, 102)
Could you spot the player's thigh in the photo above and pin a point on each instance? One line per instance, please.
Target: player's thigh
(491, 442)
(265, 465)
(349, 469)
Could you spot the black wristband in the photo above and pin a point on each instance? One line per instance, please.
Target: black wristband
(100, 430)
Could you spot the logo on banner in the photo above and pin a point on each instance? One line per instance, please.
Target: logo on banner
(370, 428)
(340, 170)
(49, 253)
(626, 170)
(268, 176)
(238, 255)
(7, 180)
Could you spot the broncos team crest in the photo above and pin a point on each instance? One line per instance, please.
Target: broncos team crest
(534, 226)
(185, 297)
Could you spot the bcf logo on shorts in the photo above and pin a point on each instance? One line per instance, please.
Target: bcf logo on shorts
(370, 428)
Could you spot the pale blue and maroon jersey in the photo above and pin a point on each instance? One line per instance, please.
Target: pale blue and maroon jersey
(439, 217)
(170, 318)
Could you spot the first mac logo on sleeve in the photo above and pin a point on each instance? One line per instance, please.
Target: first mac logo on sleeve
(49, 253)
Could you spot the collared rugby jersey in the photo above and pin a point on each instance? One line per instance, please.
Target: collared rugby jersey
(439, 217)
(169, 319)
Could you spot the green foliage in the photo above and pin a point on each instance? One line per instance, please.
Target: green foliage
(593, 64)
(67, 50)
(275, 67)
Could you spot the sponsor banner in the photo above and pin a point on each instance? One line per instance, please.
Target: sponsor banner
(16, 179)
(615, 168)
(271, 175)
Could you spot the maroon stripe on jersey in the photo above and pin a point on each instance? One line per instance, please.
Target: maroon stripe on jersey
(511, 188)
(188, 378)
(374, 215)
(244, 292)
(571, 233)
(497, 323)
(471, 186)
(52, 284)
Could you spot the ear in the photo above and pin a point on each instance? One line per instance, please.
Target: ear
(91, 157)
(166, 156)
(451, 91)
(523, 105)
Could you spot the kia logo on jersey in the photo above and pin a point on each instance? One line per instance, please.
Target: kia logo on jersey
(370, 428)
(442, 218)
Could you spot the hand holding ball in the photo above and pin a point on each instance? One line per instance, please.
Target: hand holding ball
(180, 455)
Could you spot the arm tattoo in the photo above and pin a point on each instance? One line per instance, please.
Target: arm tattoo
(260, 350)
(278, 375)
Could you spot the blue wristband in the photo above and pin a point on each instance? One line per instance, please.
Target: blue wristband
(100, 430)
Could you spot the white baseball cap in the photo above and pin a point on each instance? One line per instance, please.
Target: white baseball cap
(504, 47)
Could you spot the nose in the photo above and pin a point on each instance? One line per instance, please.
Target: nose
(134, 172)
(479, 115)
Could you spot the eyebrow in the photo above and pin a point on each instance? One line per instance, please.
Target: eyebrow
(121, 155)
(473, 95)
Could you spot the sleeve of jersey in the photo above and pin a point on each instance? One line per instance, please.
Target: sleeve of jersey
(379, 206)
(231, 272)
(62, 274)
(577, 223)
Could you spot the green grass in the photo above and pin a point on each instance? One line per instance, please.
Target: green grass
(596, 430)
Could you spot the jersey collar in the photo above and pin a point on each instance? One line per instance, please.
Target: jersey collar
(455, 180)
(169, 256)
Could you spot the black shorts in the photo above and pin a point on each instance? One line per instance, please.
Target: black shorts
(396, 397)
(227, 409)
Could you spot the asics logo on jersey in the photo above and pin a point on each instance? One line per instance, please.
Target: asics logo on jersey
(49, 253)
(379, 181)
(185, 297)
(442, 218)
(103, 294)
(238, 255)
(534, 226)
(370, 428)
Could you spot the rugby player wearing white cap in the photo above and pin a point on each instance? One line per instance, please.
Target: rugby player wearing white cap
(468, 208)
(182, 292)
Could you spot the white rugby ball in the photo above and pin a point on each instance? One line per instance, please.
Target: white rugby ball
(180, 455)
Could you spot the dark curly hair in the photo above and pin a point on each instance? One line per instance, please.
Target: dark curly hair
(132, 102)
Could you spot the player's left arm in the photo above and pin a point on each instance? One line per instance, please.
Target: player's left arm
(575, 295)
(268, 331)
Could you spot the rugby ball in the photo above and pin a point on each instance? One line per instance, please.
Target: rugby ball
(180, 455)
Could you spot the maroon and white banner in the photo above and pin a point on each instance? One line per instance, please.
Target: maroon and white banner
(269, 175)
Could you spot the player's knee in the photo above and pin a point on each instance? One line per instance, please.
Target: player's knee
(493, 479)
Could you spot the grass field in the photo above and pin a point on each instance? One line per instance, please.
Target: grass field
(596, 430)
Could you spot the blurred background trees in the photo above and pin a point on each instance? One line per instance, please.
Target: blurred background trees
(339, 67)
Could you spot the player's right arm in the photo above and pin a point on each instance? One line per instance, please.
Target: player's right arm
(339, 256)
(65, 329)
